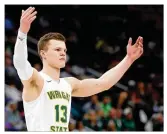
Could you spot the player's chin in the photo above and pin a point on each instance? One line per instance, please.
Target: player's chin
(59, 65)
(62, 65)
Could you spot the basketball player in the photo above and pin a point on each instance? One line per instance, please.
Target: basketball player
(46, 96)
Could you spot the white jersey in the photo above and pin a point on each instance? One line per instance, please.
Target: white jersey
(51, 110)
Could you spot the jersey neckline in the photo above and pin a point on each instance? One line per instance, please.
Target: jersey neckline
(49, 79)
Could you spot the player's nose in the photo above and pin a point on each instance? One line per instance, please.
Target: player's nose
(62, 54)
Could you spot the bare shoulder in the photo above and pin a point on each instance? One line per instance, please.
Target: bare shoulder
(35, 81)
(72, 81)
(33, 86)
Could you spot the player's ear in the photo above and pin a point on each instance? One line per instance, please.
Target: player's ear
(43, 54)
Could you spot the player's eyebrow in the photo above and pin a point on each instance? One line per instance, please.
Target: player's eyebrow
(60, 48)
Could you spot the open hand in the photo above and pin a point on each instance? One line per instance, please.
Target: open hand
(27, 17)
(136, 50)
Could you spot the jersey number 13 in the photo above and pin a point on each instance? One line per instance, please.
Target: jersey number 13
(62, 109)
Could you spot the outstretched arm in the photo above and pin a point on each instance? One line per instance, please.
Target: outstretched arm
(26, 72)
(88, 87)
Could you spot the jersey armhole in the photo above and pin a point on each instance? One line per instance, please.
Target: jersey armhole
(68, 83)
(33, 101)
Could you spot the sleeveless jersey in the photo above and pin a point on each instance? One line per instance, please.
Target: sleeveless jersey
(51, 110)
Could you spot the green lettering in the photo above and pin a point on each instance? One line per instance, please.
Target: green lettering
(60, 95)
(64, 118)
(57, 112)
(65, 129)
(51, 95)
(63, 94)
(52, 128)
(57, 128)
(67, 96)
(60, 129)
(57, 94)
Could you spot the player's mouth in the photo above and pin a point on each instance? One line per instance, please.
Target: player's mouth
(62, 59)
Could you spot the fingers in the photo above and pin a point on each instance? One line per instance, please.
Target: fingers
(138, 39)
(139, 42)
(130, 41)
(32, 19)
(25, 12)
(26, 15)
(31, 15)
(22, 12)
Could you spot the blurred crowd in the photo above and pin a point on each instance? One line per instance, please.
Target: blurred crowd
(97, 36)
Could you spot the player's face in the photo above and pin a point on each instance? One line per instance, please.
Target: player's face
(56, 54)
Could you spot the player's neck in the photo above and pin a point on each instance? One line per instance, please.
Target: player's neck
(54, 73)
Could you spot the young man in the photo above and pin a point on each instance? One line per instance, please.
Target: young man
(46, 96)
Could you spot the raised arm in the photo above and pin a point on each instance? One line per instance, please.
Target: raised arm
(28, 75)
(88, 87)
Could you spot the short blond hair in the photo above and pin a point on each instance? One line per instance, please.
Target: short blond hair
(43, 41)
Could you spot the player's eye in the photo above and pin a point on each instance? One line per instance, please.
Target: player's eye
(57, 49)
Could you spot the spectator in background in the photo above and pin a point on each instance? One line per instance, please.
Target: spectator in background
(91, 121)
(158, 122)
(81, 128)
(118, 120)
(10, 41)
(142, 105)
(115, 118)
(10, 71)
(128, 123)
(72, 125)
(121, 99)
(93, 104)
(106, 105)
(155, 123)
(100, 117)
(111, 126)
(13, 121)
(111, 120)
(12, 93)
(11, 75)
